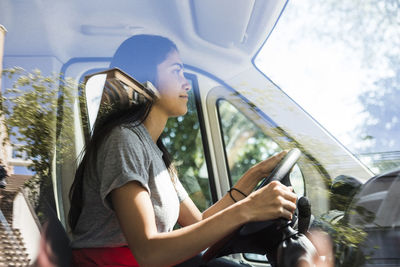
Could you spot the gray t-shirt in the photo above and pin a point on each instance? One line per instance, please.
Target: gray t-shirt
(128, 154)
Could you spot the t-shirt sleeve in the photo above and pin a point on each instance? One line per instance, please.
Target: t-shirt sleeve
(122, 160)
(180, 190)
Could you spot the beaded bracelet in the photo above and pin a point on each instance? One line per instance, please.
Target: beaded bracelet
(235, 189)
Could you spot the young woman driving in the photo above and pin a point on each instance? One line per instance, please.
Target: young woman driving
(126, 196)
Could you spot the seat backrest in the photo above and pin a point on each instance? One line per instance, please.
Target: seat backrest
(54, 249)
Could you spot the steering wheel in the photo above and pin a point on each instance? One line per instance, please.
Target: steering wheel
(258, 237)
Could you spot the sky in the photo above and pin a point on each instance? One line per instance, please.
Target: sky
(325, 84)
(325, 78)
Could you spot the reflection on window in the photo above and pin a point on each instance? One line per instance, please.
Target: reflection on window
(340, 59)
(182, 137)
(377, 204)
(297, 180)
(246, 145)
(16, 154)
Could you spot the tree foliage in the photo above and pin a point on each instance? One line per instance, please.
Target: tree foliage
(30, 109)
(245, 143)
(182, 138)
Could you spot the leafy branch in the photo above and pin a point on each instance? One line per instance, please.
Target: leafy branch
(30, 110)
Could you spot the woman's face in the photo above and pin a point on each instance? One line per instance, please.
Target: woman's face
(172, 85)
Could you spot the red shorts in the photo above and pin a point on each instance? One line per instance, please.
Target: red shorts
(106, 257)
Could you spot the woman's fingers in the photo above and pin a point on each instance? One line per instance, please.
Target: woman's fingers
(288, 207)
(289, 195)
(273, 201)
(266, 166)
(278, 157)
(284, 191)
(274, 160)
(287, 214)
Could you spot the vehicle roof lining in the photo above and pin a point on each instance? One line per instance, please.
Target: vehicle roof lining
(81, 29)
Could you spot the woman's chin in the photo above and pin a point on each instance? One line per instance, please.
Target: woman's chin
(180, 113)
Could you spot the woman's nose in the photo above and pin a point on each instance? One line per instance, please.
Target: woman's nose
(186, 85)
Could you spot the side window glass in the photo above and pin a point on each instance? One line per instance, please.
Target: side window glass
(182, 137)
(246, 144)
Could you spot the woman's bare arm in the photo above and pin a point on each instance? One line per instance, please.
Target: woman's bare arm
(246, 183)
(135, 213)
(190, 214)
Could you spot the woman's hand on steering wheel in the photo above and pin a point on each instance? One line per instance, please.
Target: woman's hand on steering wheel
(265, 167)
(257, 172)
(272, 201)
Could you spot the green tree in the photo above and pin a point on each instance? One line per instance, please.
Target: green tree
(30, 111)
(245, 143)
(182, 138)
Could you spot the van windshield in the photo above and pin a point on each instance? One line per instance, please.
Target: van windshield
(340, 61)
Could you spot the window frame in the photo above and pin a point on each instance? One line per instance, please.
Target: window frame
(261, 120)
(200, 116)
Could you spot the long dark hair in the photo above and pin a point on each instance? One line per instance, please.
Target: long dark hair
(139, 57)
